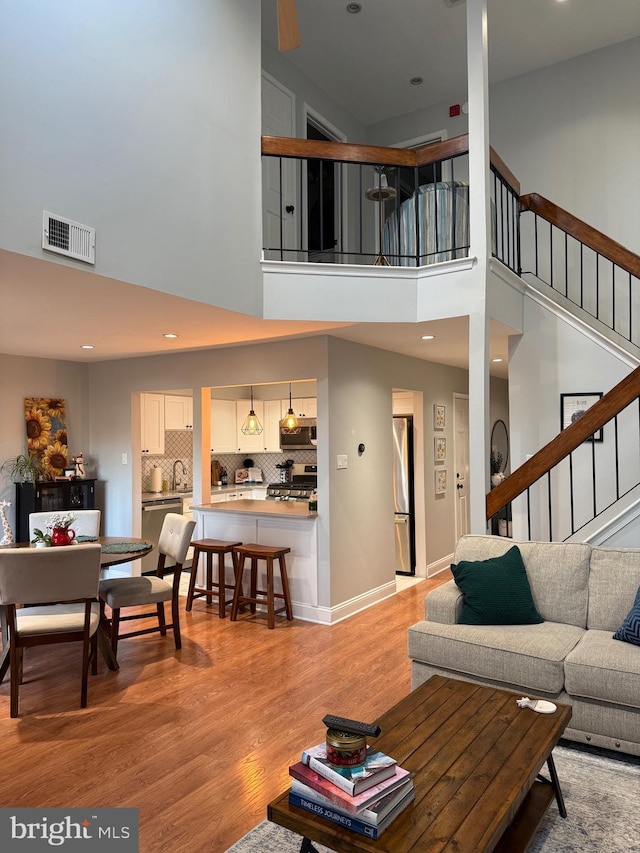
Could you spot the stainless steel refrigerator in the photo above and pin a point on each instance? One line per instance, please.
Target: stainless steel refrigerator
(403, 500)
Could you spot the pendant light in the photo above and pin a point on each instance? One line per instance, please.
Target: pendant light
(252, 425)
(289, 423)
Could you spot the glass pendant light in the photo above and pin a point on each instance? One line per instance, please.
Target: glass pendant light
(289, 423)
(252, 425)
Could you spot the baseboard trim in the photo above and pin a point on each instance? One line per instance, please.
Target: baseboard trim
(333, 615)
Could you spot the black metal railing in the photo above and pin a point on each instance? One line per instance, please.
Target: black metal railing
(594, 273)
(379, 206)
(581, 484)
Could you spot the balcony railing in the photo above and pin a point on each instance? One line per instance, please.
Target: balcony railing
(332, 202)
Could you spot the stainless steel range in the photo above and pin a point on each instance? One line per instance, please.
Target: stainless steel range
(299, 488)
(290, 491)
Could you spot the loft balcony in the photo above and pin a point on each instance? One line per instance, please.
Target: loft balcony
(366, 233)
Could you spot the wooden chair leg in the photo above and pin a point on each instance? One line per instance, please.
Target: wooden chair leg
(271, 619)
(222, 606)
(254, 584)
(94, 653)
(175, 615)
(285, 587)
(15, 678)
(161, 620)
(192, 579)
(237, 593)
(86, 645)
(115, 628)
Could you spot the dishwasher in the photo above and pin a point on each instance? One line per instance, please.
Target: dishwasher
(153, 513)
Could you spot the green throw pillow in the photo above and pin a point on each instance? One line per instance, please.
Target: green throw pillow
(629, 631)
(496, 591)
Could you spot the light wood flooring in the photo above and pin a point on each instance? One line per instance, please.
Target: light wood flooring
(199, 740)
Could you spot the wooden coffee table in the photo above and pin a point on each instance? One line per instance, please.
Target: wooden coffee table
(475, 758)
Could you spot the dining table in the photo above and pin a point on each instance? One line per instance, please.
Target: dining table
(116, 550)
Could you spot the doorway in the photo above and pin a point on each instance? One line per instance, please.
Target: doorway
(461, 460)
(324, 193)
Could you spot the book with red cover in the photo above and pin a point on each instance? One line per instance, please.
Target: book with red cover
(309, 777)
(373, 814)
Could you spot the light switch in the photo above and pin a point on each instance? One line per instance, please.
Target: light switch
(125, 460)
(342, 461)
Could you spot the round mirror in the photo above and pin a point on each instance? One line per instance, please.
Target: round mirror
(499, 447)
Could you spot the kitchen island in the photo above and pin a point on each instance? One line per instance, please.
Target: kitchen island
(281, 523)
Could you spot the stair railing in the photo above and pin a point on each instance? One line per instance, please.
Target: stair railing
(588, 268)
(575, 477)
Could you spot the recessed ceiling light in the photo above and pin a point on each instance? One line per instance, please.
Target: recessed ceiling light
(354, 8)
(416, 81)
(428, 337)
(496, 360)
(169, 335)
(87, 346)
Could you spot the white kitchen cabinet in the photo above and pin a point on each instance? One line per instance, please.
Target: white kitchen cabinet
(178, 412)
(272, 418)
(221, 497)
(258, 494)
(152, 420)
(249, 443)
(303, 407)
(223, 426)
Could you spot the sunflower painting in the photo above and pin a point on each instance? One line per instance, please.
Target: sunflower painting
(47, 432)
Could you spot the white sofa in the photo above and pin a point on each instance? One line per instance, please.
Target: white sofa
(583, 594)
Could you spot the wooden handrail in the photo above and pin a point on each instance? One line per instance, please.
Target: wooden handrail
(582, 232)
(573, 436)
(345, 152)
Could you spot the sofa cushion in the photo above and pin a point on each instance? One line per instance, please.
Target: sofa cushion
(613, 582)
(558, 573)
(601, 668)
(529, 656)
(496, 591)
(629, 631)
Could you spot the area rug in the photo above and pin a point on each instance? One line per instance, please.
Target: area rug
(600, 792)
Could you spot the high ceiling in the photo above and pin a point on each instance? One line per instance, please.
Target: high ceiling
(365, 61)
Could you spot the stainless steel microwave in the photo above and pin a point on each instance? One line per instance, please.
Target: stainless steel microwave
(303, 440)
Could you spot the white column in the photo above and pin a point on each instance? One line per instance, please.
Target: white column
(480, 235)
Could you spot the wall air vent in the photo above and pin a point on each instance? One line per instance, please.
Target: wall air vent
(65, 237)
(453, 2)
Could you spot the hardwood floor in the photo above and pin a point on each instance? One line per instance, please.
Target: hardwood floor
(199, 740)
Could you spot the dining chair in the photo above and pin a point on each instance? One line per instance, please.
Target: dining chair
(87, 522)
(151, 588)
(68, 575)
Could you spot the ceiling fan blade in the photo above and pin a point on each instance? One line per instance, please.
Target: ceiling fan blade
(288, 30)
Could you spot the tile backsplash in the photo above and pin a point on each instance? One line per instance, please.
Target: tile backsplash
(178, 445)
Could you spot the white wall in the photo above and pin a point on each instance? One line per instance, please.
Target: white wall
(125, 117)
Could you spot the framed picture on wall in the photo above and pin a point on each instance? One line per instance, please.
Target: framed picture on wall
(573, 406)
(439, 416)
(440, 475)
(439, 448)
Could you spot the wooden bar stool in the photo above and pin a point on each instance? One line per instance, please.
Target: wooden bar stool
(211, 547)
(268, 553)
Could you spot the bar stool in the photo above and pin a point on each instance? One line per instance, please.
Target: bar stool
(211, 547)
(268, 553)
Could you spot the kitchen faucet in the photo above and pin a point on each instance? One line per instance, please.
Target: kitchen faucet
(184, 471)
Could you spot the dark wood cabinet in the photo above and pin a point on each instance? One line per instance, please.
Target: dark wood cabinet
(56, 496)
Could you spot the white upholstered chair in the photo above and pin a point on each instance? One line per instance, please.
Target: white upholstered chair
(87, 522)
(68, 575)
(151, 588)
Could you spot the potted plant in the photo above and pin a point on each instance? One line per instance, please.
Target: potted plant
(495, 463)
(24, 468)
(40, 539)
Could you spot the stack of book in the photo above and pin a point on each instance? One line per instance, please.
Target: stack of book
(365, 799)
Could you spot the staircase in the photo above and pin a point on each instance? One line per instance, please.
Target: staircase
(585, 483)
